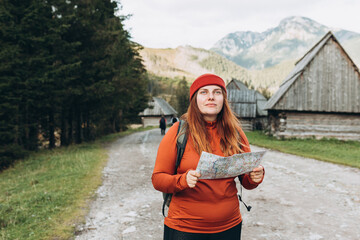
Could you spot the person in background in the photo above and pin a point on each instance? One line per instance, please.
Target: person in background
(162, 124)
(207, 208)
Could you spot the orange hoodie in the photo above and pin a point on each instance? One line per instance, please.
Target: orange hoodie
(212, 205)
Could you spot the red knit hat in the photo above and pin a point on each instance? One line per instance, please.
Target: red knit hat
(206, 79)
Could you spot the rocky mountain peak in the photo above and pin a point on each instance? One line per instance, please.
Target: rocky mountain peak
(300, 23)
(289, 40)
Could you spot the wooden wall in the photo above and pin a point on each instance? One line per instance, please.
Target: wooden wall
(247, 124)
(318, 125)
(243, 103)
(329, 83)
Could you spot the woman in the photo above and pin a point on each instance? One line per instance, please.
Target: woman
(203, 209)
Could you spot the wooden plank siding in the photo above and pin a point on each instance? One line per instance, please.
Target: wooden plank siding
(244, 110)
(329, 83)
(242, 102)
(248, 105)
(320, 97)
(319, 125)
(247, 124)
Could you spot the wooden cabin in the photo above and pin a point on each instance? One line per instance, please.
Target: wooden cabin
(157, 107)
(248, 105)
(320, 97)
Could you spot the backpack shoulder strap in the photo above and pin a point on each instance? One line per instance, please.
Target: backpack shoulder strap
(181, 142)
(241, 177)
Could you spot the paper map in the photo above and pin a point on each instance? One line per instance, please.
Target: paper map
(212, 166)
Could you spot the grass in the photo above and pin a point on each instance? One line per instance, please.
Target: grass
(330, 150)
(46, 195)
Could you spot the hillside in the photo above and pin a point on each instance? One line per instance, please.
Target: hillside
(272, 77)
(190, 62)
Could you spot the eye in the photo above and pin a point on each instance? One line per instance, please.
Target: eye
(218, 92)
(202, 92)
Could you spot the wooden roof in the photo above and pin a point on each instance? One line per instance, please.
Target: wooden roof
(158, 107)
(302, 70)
(237, 84)
(242, 102)
(245, 102)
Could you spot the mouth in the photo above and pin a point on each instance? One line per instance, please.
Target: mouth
(210, 105)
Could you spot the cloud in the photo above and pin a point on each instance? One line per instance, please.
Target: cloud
(200, 23)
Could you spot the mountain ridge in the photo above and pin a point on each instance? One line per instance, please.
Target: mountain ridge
(190, 62)
(290, 39)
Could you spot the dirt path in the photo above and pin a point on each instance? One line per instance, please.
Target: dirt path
(300, 198)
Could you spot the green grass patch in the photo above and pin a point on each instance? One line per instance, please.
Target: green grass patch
(330, 150)
(46, 195)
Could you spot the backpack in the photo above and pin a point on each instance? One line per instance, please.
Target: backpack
(174, 120)
(180, 145)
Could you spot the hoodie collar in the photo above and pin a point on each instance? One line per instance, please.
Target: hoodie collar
(210, 125)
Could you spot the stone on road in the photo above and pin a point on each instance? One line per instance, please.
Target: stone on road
(300, 198)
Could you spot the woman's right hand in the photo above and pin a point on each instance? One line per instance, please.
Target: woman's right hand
(192, 178)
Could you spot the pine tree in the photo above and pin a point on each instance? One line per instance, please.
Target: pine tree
(182, 96)
(11, 82)
(66, 66)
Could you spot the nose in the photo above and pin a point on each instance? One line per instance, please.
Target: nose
(211, 95)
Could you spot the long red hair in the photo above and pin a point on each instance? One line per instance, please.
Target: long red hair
(227, 125)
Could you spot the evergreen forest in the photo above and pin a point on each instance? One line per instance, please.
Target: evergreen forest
(69, 73)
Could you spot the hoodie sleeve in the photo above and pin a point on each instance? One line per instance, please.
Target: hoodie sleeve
(163, 178)
(245, 178)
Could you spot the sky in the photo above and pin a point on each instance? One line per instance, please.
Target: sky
(201, 23)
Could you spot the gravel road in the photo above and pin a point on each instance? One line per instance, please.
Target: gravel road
(300, 198)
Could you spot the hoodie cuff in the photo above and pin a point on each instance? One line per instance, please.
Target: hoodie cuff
(182, 184)
(257, 183)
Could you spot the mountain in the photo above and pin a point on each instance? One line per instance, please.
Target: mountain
(261, 60)
(291, 39)
(190, 62)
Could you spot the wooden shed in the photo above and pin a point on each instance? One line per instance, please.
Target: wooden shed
(157, 107)
(247, 104)
(320, 97)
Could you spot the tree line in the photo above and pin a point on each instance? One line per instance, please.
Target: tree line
(67, 68)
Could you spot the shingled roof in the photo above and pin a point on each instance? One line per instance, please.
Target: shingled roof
(245, 102)
(158, 107)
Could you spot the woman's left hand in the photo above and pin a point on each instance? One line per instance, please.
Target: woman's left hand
(257, 174)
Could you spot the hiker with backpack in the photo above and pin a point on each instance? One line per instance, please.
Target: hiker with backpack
(206, 208)
(162, 124)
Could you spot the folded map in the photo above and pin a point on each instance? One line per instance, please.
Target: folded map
(212, 166)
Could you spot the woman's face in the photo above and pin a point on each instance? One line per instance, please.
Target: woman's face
(210, 100)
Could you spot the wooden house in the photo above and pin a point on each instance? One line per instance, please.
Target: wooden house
(157, 107)
(320, 97)
(248, 105)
